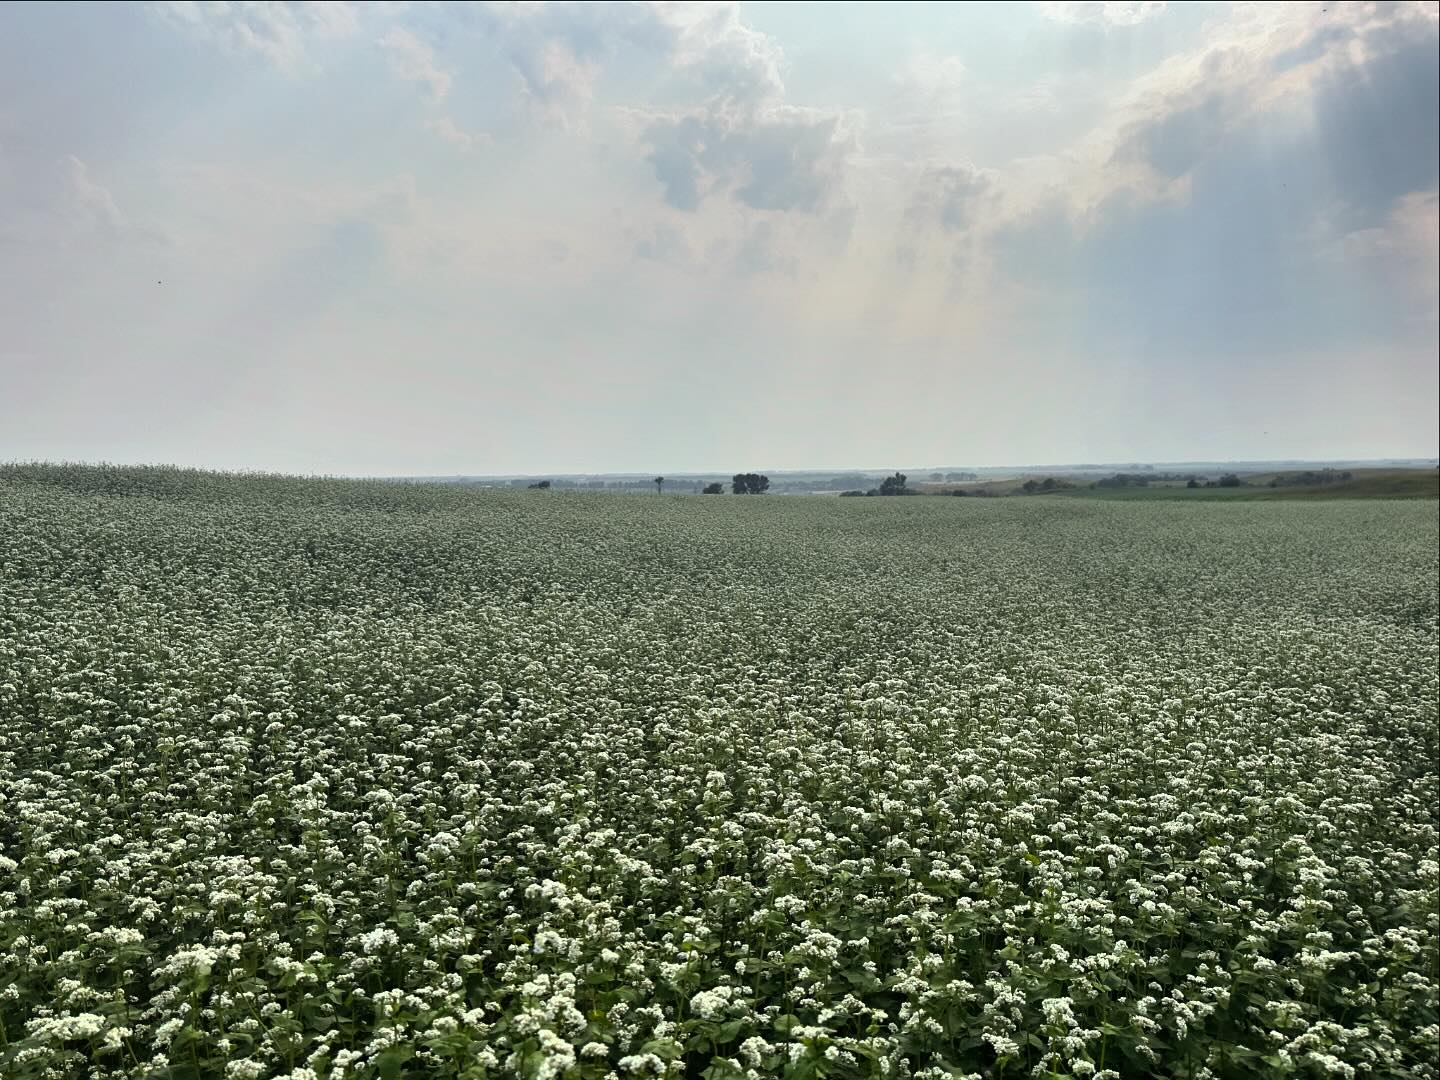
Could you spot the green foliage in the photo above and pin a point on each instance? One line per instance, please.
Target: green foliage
(749, 484)
(395, 780)
(894, 485)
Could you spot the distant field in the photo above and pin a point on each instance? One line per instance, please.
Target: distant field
(321, 779)
(1367, 484)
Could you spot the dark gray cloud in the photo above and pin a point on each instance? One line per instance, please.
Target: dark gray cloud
(1378, 123)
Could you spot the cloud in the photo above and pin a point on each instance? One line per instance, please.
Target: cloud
(280, 32)
(764, 251)
(1404, 248)
(950, 195)
(779, 157)
(720, 57)
(1111, 13)
(558, 50)
(451, 133)
(1284, 65)
(664, 243)
(89, 207)
(1411, 230)
(414, 61)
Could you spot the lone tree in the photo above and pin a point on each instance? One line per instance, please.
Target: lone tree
(659, 484)
(716, 488)
(749, 483)
(541, 485)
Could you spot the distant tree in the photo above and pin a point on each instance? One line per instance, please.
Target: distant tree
(1192, 483)
(659, 484)
(894, 485)
(542, 485)
(1048, 484)
(1230, 480)
(959, 491)
(1030, 487)
(851, 494)
(749, 484)
(716, 488)
(937, 476)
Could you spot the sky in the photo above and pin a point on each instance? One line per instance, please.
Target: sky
(390, 239)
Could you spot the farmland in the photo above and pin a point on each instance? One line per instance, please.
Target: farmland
(320, 778)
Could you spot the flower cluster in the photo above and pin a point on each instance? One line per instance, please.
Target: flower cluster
(318, 778)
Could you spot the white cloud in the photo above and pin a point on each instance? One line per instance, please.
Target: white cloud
(414, 61)
(558, 50)
(1103, 12)
(280, 32)
(724, 59)
(1406, 245)
(88, 207)
(450, 132)
(555, 51)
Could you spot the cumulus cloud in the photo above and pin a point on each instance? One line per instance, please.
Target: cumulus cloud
(414, 61)
(779, 157)
(280, 32)
(556, 50)
(1102, 12)
(721, 57)
(740, 141)
(1266, 60)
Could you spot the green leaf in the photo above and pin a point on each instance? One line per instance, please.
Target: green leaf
(391, 1061)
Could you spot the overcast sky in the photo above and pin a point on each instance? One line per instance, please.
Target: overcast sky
(488, 238)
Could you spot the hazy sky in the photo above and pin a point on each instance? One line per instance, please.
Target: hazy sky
(483, 238)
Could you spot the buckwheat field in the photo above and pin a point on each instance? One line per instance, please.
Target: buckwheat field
(351, 779)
